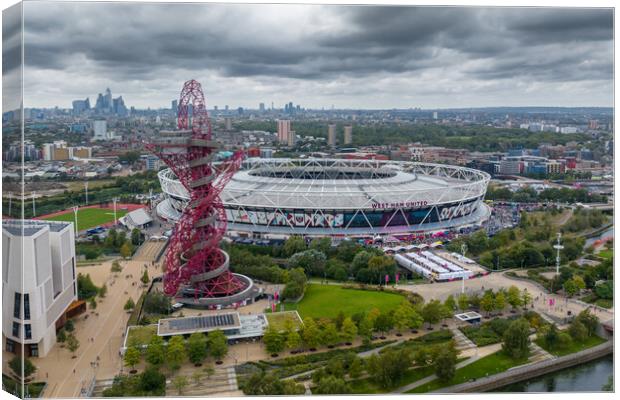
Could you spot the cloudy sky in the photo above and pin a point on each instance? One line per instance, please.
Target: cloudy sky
(317, 56)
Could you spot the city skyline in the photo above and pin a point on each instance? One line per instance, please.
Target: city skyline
(356, 57)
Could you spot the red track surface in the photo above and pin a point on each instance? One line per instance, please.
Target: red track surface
(193, 252)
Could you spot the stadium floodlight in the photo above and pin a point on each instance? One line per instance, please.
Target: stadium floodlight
(75, 215)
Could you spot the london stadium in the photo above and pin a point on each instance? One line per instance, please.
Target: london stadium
(338, 197)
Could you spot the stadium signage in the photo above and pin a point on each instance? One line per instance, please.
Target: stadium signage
(408, 204)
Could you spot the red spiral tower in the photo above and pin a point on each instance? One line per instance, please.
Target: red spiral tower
(196, 269)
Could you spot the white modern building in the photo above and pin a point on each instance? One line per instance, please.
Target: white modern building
(38, 283)
(100, 128)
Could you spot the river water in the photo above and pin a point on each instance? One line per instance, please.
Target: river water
(605, 234)
(588, 377)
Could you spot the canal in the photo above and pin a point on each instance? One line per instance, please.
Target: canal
(588, 377)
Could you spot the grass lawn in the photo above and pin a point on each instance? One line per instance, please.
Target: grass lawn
(78, 186)
(326, 301)
(573, 347)
(606, 254)
(278, 320)
(141, 335)
(489, 365)
(89, 217)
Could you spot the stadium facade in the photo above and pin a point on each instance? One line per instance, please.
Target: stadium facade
(336, 197)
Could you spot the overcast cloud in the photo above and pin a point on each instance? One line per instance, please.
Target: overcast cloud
(316, 56)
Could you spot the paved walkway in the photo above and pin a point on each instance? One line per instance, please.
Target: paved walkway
(65, 375)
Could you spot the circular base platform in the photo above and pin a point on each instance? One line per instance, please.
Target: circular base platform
(246, 296)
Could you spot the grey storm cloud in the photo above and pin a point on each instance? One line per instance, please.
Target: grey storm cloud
(317, 45)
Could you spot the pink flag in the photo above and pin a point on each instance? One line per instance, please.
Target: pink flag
(387, 278)
(276, 295)
(397, 276)
(273, 307)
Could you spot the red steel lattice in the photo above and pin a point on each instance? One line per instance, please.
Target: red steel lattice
(193, 259)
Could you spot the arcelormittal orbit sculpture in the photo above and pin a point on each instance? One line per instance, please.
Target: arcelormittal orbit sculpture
(197, 270)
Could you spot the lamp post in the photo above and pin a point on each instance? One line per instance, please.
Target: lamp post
(558, 247)
(463, 251)
(34, 210)
(10, 202)
(86, 190)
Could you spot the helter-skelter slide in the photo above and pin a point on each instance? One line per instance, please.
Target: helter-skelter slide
(196, 269)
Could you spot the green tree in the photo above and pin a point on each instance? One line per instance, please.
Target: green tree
(514, 297)
(116, 267)
(132, 357)
(218, 344)
(330, 335)
(366, 328)
(103, 290)
(61, 336)
(294, 244)
(516, 339)
(293, 340)
(92, 303)
(72, 344)
(136, 237)
(500, 301)
(17, 363)
(273, 340)
(331, 385)
(126, 250)
(445, 364)
(431, 312)
(313, 262)
(197, 347)
(570, 288)
(145, 277)
(175, 354)
(86, 287)
(487, 303)
(348, 330)
(526, 298)
(129, 305)
(450, 303)
(552, 337)
(578, 331)
(589, 320)
(356, 368)
(388, 367)
(180, 383)
(155, 352)
(324, 244)
(311, 333)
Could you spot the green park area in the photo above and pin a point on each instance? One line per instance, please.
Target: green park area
(140, 335)
(489, 365)
(326, 301)
(89, 217)
(572, 347)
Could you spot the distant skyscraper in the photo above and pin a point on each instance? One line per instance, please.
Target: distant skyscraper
(261, 107)
(79, 106)
(226, 108)
(284, 128)
(174, 104)
(228, 123)
(434, 114)
(348, 134)
(331, 135)
(118, 106)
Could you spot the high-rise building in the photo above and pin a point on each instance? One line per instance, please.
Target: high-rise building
(39, 289)
(348, 134)
(118, 106)
(100, 128)
(284, 128)
(331, 135)
(228, 123)
(435, 116)
(291, 138)
(261, 107)
(174, 105)
(593, 124)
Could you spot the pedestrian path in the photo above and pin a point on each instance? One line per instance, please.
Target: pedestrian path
(462, 341)
(430, 378)
(538, 354)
